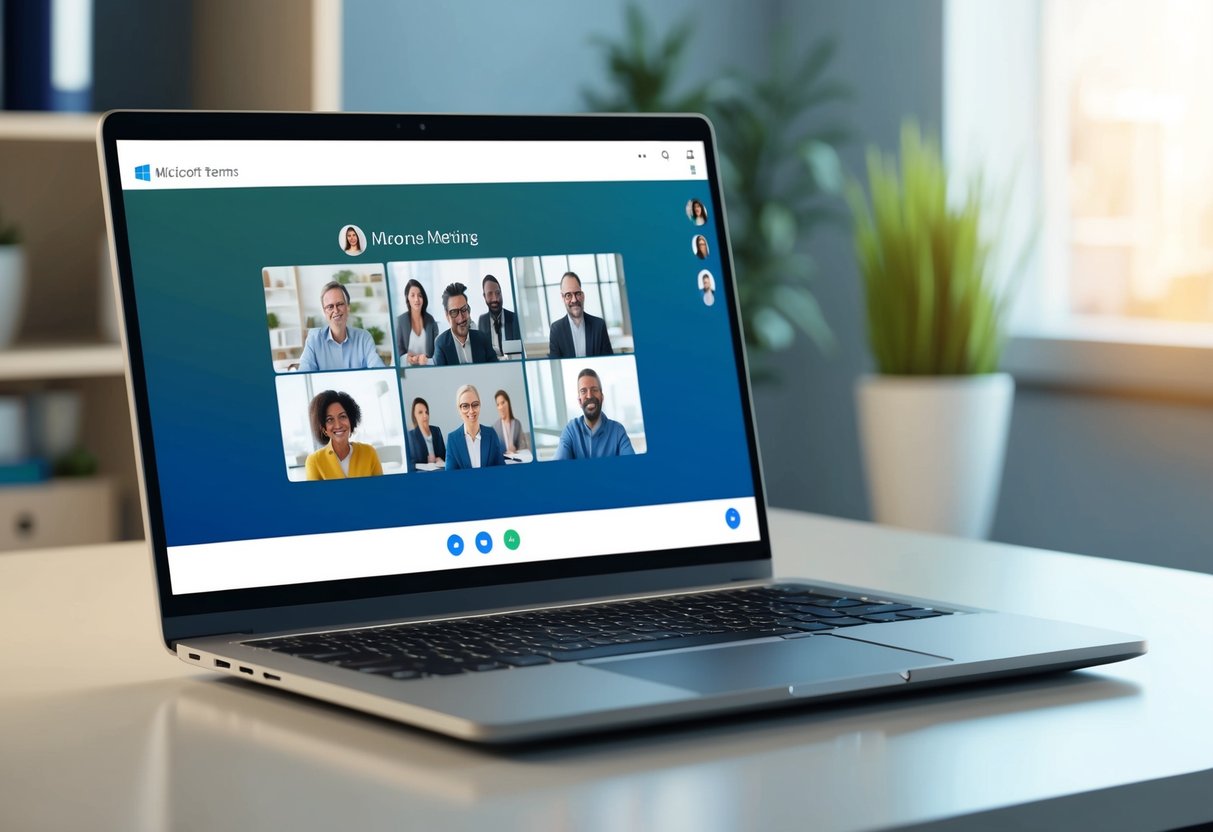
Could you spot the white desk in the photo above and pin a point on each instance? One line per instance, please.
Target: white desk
(100, 729)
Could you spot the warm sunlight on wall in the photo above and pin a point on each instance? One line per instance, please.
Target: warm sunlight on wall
(1140, 158)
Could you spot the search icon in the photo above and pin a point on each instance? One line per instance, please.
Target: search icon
(665, 154)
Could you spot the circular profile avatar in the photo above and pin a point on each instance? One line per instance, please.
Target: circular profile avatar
(707, 285)
(699, 245)
(352, 240)
(696, 213)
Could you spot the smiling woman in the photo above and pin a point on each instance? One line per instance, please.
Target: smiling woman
(334, 417)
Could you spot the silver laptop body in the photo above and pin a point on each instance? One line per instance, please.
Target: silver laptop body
(284, 371)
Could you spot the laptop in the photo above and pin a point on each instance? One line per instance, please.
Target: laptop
(446, 418)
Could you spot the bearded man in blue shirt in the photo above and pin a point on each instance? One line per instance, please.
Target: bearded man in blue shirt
(593, 434)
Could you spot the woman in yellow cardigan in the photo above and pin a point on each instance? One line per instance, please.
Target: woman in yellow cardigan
(335, 417)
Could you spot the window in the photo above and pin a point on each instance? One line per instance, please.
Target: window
(1098, 112)
(1138, 189)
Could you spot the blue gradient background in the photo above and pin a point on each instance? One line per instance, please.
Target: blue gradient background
(197, 257)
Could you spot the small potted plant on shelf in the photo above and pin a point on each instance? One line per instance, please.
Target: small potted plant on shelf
(12, 281)
(934, 419)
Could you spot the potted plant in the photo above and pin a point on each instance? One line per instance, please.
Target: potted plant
(778, 159)
(12, 281)
(934, 419)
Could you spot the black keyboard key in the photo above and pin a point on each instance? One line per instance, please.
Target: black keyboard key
(882, 617)
(836, 603)
(869, 609)
(481, 667)
(816, 611)
(359, 664)
(524, 661)
(846, 622)
(921, 613)
(812, 626)
(444, 669)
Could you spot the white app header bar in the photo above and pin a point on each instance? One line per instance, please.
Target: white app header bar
(151, 165)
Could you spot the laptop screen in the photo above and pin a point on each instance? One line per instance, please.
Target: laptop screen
(435, 360)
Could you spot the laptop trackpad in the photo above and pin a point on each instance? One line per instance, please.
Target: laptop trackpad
(810, 664)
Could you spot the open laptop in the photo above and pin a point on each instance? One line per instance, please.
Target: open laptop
(446, 419)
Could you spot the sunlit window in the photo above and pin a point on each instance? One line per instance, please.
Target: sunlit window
(1133, 86)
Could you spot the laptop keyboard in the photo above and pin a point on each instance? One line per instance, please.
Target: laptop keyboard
(570, 634)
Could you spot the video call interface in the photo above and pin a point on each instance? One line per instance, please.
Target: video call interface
(329, 359)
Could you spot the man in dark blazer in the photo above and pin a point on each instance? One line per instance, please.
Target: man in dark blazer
(461, 344)
(499, 323)
(577, 334)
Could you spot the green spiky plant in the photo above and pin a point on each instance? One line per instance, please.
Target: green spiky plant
(778, 160)
(933, 303)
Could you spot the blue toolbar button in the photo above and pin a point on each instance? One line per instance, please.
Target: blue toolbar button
(733, 518)
(484, 542)
(454, 545)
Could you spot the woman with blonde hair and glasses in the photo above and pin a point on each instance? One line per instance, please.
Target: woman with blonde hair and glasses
(470, 445)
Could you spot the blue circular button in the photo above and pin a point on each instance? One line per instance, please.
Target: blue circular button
(454, 545)
(484, 542)
(733, 518)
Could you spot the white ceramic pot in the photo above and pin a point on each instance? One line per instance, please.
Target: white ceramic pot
(12, 289)
(933, 449)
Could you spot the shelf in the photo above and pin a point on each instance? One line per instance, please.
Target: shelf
(33, 126)
(41, 361)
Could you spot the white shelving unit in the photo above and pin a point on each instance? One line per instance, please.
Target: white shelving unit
(50, 187)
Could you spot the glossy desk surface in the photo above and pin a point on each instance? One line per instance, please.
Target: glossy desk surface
(101, 729)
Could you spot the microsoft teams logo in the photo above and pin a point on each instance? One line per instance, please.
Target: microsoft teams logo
(143, 172)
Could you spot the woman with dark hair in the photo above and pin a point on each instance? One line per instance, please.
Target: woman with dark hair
(416, 328)
(334, 417)
(425, 440)
(509, 430)
(697, 212)
(353, 242)
(701, 247)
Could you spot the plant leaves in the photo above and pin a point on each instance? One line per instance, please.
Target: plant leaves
(778, 227)
(799, 305)
(772, 330)
(824, 164)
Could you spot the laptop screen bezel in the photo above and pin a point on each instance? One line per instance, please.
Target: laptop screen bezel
(264, 608)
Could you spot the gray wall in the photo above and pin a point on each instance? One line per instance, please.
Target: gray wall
(1094, 474)
(482, 56)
